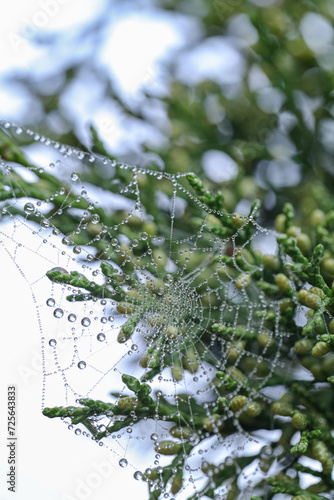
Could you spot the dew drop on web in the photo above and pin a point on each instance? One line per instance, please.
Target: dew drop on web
(58, 313)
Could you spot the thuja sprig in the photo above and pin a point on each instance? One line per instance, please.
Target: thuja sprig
(284, 220)
(168, 474)
(81, 415)
(142, 405)
(142, 391)
(305, 269)
(223, 330)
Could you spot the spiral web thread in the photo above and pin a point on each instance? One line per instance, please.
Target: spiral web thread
(186, 292)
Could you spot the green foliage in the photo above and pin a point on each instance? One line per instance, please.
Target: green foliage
(242, 352)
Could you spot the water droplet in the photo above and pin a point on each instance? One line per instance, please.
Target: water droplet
(77, 250)
(144, 236)
(58, 313)
(95, 218)
(85, 321)
(138, 475)
(66, 240)
(77, 432)
(154, 436)
(168, 279)
(82, 365)
(71, 317)
(101, 337)
(50, 302)
(52, 342)
(74, 177)
(45, 223)
(29, 208)
(123, 462)
(266, 451)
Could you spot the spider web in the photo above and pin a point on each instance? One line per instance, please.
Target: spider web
(157, 340)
